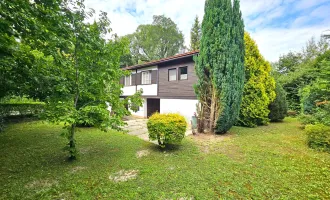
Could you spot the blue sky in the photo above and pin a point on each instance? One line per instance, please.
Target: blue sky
(278, 26)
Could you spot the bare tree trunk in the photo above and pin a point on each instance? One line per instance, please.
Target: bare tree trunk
(212, 112)
(200, 119)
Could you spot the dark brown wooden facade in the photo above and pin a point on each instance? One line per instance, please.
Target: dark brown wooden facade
(178, 88)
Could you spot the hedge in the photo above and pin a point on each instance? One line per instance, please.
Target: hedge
(318, 137)
(21, 109)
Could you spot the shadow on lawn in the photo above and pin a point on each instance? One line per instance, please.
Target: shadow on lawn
(171, 148)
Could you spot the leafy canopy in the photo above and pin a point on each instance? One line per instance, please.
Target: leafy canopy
(65, 62)
(154, 41)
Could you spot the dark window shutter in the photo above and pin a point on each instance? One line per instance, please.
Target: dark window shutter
(138, 79)
(133, 79)
(122, 80)
(154, 76)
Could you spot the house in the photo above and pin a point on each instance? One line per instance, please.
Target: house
(167, 85)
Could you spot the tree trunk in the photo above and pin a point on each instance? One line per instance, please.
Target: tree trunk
(72, 143)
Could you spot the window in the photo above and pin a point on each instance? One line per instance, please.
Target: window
(172, 75)
(128, 80)
(183, 73)
(146, 78)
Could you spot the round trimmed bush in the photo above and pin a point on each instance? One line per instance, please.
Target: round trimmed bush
(167, 128)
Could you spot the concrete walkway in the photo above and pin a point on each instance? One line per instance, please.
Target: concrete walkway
(138, 127)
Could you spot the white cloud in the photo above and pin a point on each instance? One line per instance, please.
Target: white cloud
(275, 42)
(260, 16)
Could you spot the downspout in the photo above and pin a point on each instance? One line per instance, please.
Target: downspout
(135, 80)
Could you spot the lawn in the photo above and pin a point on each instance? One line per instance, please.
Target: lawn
(269, 162)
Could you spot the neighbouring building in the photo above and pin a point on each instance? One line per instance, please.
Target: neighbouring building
(167, 85)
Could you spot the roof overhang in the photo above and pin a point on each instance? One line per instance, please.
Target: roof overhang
(163, 60)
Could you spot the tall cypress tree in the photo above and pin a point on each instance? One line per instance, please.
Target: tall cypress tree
(195, 35)
(220, 65)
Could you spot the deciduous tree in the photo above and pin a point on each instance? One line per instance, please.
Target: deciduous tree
(68, 64)
(154, 41)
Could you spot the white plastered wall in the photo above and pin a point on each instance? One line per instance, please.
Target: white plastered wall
(185, 107)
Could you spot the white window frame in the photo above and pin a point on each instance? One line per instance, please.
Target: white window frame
(128, 80)
(145, 78)
(176, 74)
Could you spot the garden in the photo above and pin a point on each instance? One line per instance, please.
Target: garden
(267, 162)
(262, 129)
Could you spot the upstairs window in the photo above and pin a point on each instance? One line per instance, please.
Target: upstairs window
(146, 78)
(128, 80)
(172, 75)
(183, 71)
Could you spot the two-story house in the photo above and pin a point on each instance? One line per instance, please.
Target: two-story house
(167, 85)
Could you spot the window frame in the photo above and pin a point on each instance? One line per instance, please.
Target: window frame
(130, 80)
(142, 80)
(180, 73)
(176, 74)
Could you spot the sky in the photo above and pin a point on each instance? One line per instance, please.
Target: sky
(278, 26)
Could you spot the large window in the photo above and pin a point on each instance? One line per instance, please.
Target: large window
(128, 80)
(172, 75)
(146, 78)
(183, 73)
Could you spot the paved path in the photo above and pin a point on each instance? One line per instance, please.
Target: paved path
(138, 127)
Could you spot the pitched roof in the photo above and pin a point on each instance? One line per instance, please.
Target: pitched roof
(163, 60)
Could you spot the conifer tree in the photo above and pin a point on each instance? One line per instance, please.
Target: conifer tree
(195, 35)
(279, 107)
(220, 65)
(259, 88)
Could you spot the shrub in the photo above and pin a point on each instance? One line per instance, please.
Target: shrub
(167, 128)
(321, 115)
(21, 109)
(292, 113)
(307, 119)
(259, 88)
(2, 123)
(318, 137)
(278, 108)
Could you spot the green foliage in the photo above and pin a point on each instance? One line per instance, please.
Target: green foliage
(66, 62)
(154, 41)
(259, 88)
(320, 115)
(167, 128)
(22, 109)
(220, 64)
(299, 69)
(195, 35)
(2, 123)
(319, 90)
(279, 107)
(31, 31)
(318, 137)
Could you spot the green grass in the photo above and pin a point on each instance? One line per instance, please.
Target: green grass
(269, 162)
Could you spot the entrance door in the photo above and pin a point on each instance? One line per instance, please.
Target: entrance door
(153, 105)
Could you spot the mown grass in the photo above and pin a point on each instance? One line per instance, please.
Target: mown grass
(269, 162)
